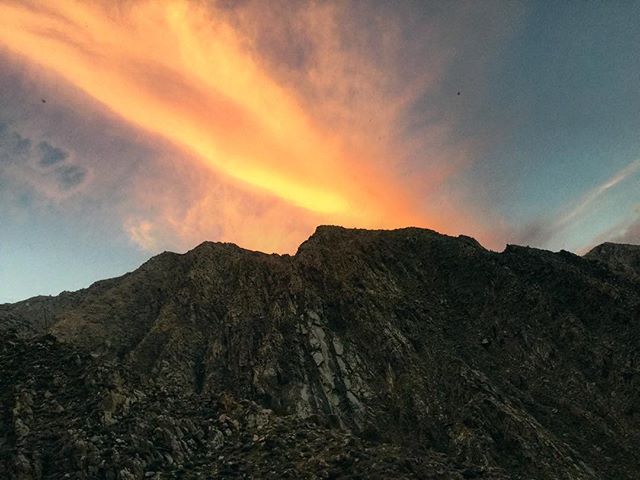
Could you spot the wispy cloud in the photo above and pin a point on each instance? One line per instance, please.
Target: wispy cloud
(284, 115)
(594, 194)
(141, 233)
(627, 231)
(50, 154)
(630, 233)
(47, 171)
(174, 70)
(543, 231)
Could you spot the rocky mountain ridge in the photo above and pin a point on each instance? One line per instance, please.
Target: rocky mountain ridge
(367, 354)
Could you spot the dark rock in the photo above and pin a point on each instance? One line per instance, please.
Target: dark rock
(369, 354)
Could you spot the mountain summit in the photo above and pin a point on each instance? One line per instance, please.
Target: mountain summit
(367, 354)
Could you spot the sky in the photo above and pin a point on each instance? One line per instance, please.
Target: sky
(132, 127)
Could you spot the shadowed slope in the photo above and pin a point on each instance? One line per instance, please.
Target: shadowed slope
(625, 258)
(524, 362)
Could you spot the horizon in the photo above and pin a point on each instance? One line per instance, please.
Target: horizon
(452, 236)
(135, 127)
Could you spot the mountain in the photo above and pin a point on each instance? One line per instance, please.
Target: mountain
(367, 354)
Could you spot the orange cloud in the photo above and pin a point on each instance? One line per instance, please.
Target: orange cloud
(196, 205)
(175, 70)
(268, 146)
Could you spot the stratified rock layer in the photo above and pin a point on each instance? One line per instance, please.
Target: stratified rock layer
(368, 354)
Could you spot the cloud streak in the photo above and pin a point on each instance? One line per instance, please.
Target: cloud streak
(542, 232)
(172, 69)
(264, 119)
(594, 194)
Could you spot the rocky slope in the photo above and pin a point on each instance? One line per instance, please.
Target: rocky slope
(368, 354)
(621, 257)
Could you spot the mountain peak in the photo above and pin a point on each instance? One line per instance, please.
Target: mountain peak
(419, 355)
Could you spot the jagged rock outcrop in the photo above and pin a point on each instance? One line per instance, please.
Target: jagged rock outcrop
(368, 354)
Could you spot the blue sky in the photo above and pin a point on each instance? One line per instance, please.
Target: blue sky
(512, 122)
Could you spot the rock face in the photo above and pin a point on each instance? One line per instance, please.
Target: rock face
(368, 354)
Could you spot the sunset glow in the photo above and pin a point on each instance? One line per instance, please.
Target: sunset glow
(171, 69)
